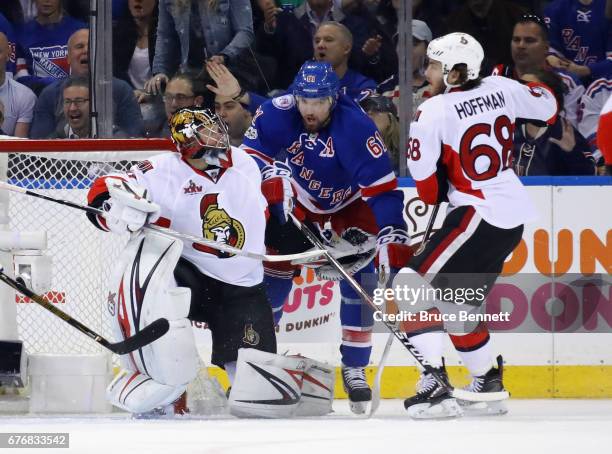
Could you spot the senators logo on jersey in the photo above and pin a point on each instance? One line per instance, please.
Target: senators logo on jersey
(219, 226)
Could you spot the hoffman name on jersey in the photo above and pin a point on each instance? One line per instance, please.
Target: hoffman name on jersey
(479, 104)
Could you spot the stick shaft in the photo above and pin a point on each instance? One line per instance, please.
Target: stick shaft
(182, 236)
(147, 335)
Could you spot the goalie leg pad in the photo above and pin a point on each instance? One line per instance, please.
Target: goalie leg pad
(266, 385)
(142, 290)
(138, 393)
(317, 389)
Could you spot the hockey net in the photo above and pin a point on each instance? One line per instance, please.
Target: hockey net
(82, 255)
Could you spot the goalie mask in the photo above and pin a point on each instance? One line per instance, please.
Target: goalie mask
(198, 133)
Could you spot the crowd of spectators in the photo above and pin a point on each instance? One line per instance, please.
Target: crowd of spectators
(232, 55)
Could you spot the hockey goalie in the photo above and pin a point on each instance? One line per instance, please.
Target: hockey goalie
(211, 190)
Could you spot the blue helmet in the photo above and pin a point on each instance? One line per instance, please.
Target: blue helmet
(316, 79)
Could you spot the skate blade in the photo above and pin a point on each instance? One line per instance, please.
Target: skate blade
(484, 408)
(448, 408)
(359, 408)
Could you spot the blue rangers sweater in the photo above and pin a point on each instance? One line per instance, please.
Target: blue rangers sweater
(45, 50)
(343, 161)
(581, 33)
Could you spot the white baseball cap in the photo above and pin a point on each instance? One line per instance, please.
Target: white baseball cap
(421, 31)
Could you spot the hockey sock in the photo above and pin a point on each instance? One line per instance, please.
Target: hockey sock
(356, 333)
(426, 333)
(277, 288)
(475, 350)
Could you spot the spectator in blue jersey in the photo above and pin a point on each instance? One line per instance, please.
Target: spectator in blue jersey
(17, 99)
(591, 105)
(529, 47)
(288, 36)
(49, 110)
(43, 42)
(189, 32)
(580, 36)
(7, 28)
(332, 43)
(318, 142)
(558, 149)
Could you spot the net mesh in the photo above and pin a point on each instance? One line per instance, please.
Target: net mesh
(83, 256)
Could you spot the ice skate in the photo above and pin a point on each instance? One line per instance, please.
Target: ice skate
(432, 401)
(357, 388)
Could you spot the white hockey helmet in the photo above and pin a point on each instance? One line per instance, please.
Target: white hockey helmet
(457, 48)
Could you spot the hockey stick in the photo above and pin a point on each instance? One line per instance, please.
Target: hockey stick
(457, 393)
(378, 378)
(144, 337)
(430, 224)
(383, 359)
(182, 236)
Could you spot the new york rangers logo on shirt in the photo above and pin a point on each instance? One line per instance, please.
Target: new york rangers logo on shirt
(50, 61)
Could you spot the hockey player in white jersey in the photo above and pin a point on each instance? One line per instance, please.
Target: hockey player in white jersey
(460, 151)
(208, 189)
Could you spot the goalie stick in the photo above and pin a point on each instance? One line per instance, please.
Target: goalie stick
(401, 336)
(172, 233)
(144, 337)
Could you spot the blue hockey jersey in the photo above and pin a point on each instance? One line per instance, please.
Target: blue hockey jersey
(581, 33)
(333, 167)
(45, 50)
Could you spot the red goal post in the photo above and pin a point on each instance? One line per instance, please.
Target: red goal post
(82, 255)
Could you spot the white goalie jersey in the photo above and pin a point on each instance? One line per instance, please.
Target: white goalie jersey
(222, 205)
(465, 137)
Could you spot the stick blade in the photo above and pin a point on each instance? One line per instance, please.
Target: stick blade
(146, 336)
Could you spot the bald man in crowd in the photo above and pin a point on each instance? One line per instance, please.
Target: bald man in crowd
(332, 43)
(49, 112)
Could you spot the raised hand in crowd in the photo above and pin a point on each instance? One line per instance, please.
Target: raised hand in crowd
(156, 84)
(270, 11)
(227, 84)
(372, 46)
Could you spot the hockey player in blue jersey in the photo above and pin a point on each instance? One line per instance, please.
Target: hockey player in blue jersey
(316, 144)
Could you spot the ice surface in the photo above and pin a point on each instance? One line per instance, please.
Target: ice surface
(531, 426)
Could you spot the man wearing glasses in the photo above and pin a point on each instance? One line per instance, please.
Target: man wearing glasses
(182, 90)
(76, 110)
(49, 111)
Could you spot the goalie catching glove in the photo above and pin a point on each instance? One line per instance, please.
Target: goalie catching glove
(393, 249)
(128, 208)
(276, 188)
